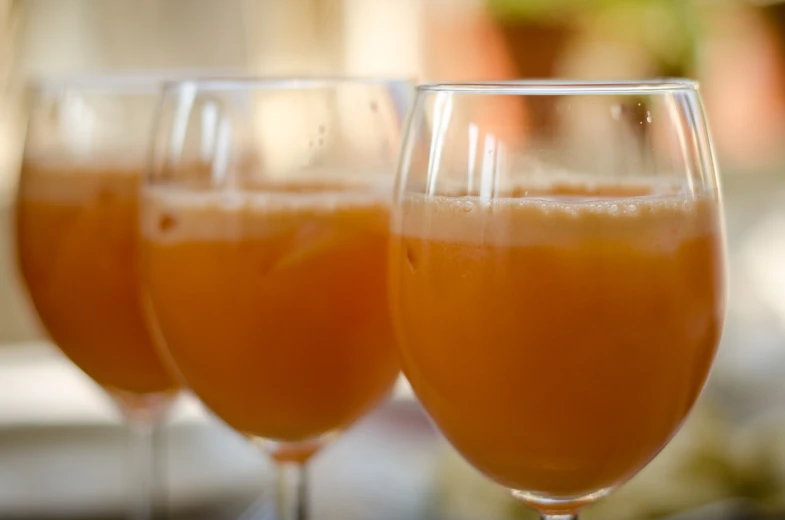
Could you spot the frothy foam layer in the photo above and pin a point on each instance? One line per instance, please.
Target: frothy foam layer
(67, 184)
(560, 184)
(559, 220)
(66, 164)
(175, 214)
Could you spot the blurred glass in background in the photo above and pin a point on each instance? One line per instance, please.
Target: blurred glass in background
(729, 460)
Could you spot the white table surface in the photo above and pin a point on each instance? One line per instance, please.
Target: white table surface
(62, 450)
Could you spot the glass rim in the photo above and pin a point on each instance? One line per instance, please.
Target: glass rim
(562, 87)
(255, 82)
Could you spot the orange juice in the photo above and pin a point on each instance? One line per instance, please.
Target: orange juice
(559, 341)
(76, 242)
(273, 306)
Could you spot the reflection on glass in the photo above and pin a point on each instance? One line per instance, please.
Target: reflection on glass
(265, 228)
(76, 226)
(557, 289)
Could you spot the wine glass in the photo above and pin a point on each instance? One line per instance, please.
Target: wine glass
(265, 228)
(76, 234)
(557, 276)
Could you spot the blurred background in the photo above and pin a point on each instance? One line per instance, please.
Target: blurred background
(61, 446)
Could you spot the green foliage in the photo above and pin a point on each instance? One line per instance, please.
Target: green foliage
(540, 10)
(667, 29)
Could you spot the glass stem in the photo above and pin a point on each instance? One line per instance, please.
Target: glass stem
(292, 491)
(146, 468)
